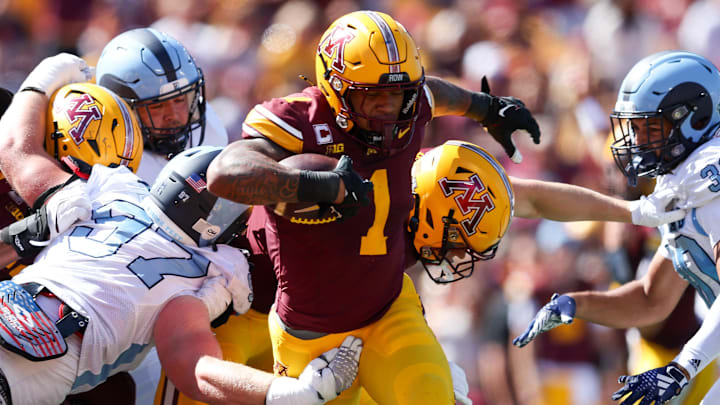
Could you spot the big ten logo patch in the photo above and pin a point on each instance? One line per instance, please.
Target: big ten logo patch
(80, 112)
(323, 136)
(335, 149)
(473, 199)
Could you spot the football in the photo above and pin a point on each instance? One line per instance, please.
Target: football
(304, 212)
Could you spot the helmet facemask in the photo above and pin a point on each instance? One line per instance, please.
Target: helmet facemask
(453, 260)
(387, 135)
(188, 114)
(652, 143)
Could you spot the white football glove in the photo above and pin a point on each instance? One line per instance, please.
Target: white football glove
(460, 384)
(56, 71)
(651, 210)
(323, 379)
(67, 206)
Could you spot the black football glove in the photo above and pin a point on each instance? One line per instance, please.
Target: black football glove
(506, 115)
(29, 235)
(356, 189)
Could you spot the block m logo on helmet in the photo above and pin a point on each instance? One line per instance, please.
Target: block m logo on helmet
(474, 199)
(81, 117)
(333, 46)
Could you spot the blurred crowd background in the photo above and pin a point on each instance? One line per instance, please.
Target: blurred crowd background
(564, 58)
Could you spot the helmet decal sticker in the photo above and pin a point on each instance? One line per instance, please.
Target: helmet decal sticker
(333, 46)
(196, 182)
(469, 201)
(75, 113)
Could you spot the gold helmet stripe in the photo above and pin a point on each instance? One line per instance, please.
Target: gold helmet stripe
(390, 43)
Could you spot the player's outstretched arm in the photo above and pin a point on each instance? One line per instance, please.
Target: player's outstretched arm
(638, 303)
(192, 359)
(23, 160)
(501, 116)
(567, 202)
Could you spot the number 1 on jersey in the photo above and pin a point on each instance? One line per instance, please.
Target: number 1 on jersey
(374, 242)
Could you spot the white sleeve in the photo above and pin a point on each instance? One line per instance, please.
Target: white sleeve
(702, 348)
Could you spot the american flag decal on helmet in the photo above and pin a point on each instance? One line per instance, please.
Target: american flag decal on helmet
(196, 182)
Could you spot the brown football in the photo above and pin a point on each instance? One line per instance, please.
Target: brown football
(305, 212)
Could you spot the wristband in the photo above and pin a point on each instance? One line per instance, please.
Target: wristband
(290, 391)
(479, 106)
(318, 186)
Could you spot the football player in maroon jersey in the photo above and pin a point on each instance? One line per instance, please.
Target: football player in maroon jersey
(370, 105)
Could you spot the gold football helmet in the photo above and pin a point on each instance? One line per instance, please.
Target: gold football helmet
(463, 205)
(93, 124)
(370, 51)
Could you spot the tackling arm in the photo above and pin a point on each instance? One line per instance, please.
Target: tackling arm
(28, 169)
(191, 357)
(22, 152)
(565, 202)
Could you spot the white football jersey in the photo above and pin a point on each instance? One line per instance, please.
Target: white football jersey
(147, 374)
(689, 243)
(215, 135)
(119, 270)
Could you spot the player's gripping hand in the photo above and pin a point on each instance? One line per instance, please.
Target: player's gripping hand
(66, 206)
(56, 71)
(505, 115)
(356, 190)
(659, 385)
(652, 210)
(560, 310)
(28, 235)
(323, 379)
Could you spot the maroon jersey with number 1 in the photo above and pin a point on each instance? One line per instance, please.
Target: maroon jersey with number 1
(338, 276)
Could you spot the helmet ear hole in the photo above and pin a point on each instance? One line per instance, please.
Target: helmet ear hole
(429, 219)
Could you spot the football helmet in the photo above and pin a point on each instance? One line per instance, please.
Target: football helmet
(369, 51)
(185, 210)
(93, 124)
(463, 205)
(666, 107)
(157, 76)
